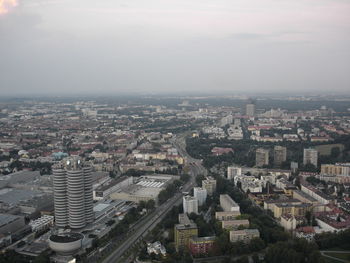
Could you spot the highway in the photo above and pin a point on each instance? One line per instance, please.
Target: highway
(142, 228)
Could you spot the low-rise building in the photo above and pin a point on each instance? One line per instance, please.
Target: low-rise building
(201, 245)
(226, 216)
(42, 224)
(235, 224)
(244, 235)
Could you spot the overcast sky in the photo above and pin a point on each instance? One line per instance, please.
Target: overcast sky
(140, 46)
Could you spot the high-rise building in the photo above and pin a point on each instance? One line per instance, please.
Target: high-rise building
(190, 204)
(261, 157)
(279, 155)
(200, 194)
(250, 108)
(184, 231)
(310, 157)
(73, 197)
(210, 185)
(233, 171)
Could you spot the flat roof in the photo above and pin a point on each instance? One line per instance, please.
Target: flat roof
(7, 218)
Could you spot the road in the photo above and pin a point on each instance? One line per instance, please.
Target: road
(334, 258)
(146, 225)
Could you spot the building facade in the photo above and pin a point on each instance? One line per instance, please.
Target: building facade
(200, 194)
(261, 157)
(279, 155)
(190, 205)
(310, 157)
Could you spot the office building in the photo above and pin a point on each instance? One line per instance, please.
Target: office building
(233, 171)
(73, 198)
(261, 157)
(190, 204)
(200, 194)
(279, 155)
(210, 185)
(310, 157)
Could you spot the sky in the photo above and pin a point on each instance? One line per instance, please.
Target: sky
(63, 47)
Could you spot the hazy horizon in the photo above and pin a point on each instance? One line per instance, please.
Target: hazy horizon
(61, 47)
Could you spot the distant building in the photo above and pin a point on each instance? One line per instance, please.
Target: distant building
(200, 194)
(250, 108)
(201, 245)
(244, 235)
(183, 231)
(310, 157)
(210, 185)
(336, 169)
(261, 157)
(190, 204)
(41, 224)
(233, 171)
(279, 155)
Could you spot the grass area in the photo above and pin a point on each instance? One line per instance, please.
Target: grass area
(344, 256)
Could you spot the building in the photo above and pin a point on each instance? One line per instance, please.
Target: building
(227, 204)
(244, 235)
(190, 204)
(261, 157)
(10, 223)
(233, 171)
(183, 231)
(234, 224)
(200, 194)
(111, 186)
(290, 222)
(210, 185)
(73, 197)
(310, 157)
(42, 224)
(250, 108)
(279, 155)
(291, 209)
(336, 169)
(201, 245)
(226, 216)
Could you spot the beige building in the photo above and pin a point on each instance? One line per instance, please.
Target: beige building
(336, 169)
(290, 222)
(244, 235)
(234, 224)
(184, 231)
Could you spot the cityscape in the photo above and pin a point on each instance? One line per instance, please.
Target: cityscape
(174, 179)
(174, 131)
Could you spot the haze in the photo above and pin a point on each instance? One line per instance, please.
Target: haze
(159, 46)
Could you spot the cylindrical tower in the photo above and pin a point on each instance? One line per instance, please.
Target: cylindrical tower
(88, 191)
(60, 196)
(76, 198)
